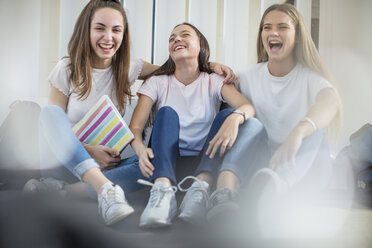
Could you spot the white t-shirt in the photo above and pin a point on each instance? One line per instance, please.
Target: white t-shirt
(102, 83)
(196, 105)
(280, 102)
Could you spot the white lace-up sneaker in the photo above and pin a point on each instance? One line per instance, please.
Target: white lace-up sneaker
(112, 204)
(45, 185)
(196, 201)
(268, 182)
(162, 205)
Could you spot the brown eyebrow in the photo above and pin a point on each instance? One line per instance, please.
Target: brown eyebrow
(101, 24)
(182, 32)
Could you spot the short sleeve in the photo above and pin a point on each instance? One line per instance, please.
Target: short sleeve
(135, 70)
(316, 84)
(216, 85)
(59, 77)
(149, 88)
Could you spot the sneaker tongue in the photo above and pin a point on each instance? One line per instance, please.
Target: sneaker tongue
(199, 184)
(162, 185)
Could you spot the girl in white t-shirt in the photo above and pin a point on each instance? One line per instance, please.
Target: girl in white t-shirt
(291, 90)
(186, 98)
(98, 64)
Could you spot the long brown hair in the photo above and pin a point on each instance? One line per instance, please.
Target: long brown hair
(80, 53)
(169, 66)
(305, 52)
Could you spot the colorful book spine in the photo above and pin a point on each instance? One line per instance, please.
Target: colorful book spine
(103, 125)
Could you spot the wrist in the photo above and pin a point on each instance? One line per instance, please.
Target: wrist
(303, 129)
(240, 115)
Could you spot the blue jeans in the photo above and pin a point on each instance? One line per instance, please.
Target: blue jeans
(249, 153)
(165, 139)
(63, 156)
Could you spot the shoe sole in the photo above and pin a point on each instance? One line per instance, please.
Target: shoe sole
(190, 220)
(121, 216)
(155, 224)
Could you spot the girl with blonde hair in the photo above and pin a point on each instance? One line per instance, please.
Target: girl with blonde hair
(295, 100)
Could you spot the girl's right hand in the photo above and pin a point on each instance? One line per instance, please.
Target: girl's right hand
(146, 167)
(105, 156)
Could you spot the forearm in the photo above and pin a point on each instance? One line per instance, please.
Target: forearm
(137, 144)
(320, 114)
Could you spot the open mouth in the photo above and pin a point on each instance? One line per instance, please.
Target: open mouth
(275, 45)
(106, 46)
(179, 47)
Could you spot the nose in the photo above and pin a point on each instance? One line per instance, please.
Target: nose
(108, 35)
(274, 31)
(177, 38)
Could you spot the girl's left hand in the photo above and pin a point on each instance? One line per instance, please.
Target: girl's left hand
(225, 137)
(225, 71)
(285, 155)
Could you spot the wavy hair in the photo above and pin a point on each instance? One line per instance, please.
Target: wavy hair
(305, 52)
(80, 54)
(169, 66)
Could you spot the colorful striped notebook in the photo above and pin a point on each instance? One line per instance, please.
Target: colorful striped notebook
(103, 125)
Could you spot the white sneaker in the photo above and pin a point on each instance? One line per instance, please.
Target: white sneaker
(162, 205)
(45, 185)
(112, 204)
(196, 201)
(266, 187)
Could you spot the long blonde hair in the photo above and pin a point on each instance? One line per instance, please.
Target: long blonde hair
(80, 53)
(305, 52)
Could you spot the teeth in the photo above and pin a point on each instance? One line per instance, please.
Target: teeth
(106, 46)
(274, 42)
(178, 47)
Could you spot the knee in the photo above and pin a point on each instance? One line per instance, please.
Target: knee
(223, 114)
(167, 113)
(50, 112)
(252, 126)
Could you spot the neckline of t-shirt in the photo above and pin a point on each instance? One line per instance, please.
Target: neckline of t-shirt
(280, 79)
(182, 85)
(96, 70)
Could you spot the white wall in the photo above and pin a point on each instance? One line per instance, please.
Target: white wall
(35, 35)
(345, 44)
(69, 12)
(20, 51)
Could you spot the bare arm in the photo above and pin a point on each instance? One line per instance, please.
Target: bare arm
(228, 132)
(147, 68)
(137, 125)
(56, 97)
(218, 68)
(321, 113)
(224, 71)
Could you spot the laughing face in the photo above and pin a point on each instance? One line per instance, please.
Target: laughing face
(278, 36)
(184, 43)
(106, 35)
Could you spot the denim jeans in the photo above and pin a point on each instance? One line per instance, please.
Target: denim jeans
(165, 139)
(64, 157)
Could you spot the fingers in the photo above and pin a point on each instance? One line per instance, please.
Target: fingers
(150, 153)
(146, 169)
(282, 159)
(230, 75)
(111, 151)
(145, 165)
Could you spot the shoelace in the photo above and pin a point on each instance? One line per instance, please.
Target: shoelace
(221, 195)
(157, 193)
(112, 194)
(200, 192)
